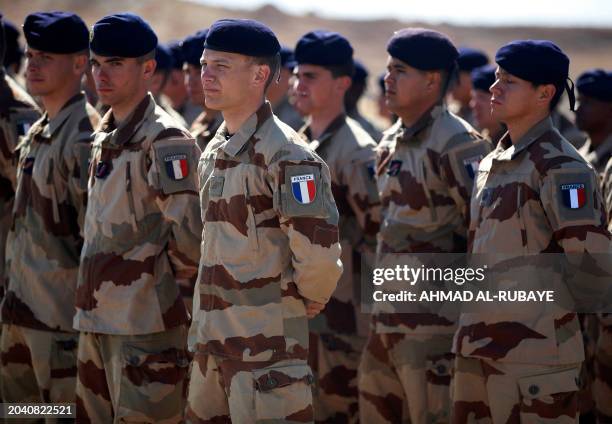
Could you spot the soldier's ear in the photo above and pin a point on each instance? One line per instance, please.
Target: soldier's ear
(80, 63)
(148, 68)
(545, 93)
(344, 82)
(262, 73)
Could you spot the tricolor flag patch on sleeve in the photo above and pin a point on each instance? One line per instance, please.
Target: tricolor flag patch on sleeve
(303, 188)
(574, 195)
(177, 166)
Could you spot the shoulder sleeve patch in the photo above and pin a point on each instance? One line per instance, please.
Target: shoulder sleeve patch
(465, 160)
(176, 161)
(575, 199)
(302, 192)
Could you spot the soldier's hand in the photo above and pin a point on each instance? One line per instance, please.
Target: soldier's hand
(313, 308)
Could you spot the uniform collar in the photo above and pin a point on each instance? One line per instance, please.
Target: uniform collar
(406, 134)
(329, 132)
(534, 133)
(44, 129)
(235, 144)
(125, 132)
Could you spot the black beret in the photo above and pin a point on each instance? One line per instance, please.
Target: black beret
(470, 59)
(537, 61)
(56, 32)
(596, 83)
(163, 57)
(423, 49)
(13, 51)
(242, 36)
(287, 58)
(361, 72)
(483, 77)
(122, 35)
(177, 54)
(193, 46)
(323, 48)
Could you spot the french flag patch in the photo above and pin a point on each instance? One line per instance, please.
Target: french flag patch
(303, 188)
(471, 165)
(176, 166)
(574, 196)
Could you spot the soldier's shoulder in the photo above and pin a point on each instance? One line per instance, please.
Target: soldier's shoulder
(21, 96)
(552, 151)
(449, 132)
(282, 143)
(161, 126)
(389, 135)
(357, 135)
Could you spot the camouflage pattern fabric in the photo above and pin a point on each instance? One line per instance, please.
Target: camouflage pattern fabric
(349, 152)
(204, 128)
(37, 366)
(136, 378)
(142, 226)
(288, 114)
(490, 392)
(405, 378)
(226, 391)
(364, 123)
(163, 102)
(18, 112)
(599, 156)
(270, 240)
(568, 130)
(607, 192)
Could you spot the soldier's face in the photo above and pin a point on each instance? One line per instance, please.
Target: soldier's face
(48, 72)
(314, 87)
(405, 87)
(480, 104)
(120, 79)
(193, 82)
(462, 90)
(592, 114)
(229, 79)
(511, 97)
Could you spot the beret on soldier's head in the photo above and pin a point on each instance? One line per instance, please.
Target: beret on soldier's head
(483, 77)
(323, 48)
(12, 50)
(122, 35)
(242, 36)
(193, 46)
(361, 72)
(536, 61)
(596, 83)
(56, 32)
(287, 58)
(163, 57)
(470, 59)
(176, 52)
(423, 49)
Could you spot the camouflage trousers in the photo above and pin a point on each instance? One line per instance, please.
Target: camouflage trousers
(225, 391)
(37, 366)
(491, 392)
(334, 360)
(132, 378)
(602, 384)
(405, 378)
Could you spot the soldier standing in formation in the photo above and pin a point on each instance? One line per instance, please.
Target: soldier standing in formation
(468, 60)
(142, 236)
(323, 74)
(482, 79)
(270, 250)
(44, 244)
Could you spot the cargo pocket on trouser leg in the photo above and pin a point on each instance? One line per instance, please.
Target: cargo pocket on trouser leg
(284, 393)
(151, 387)
(550, 397)
(438, 377)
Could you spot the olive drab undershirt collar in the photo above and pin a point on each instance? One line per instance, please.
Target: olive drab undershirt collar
(327, 134)
(44, 129)
(507, 151)
(119, 136)
(234, 145)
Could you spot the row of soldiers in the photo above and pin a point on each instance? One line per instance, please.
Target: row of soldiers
(108, 240)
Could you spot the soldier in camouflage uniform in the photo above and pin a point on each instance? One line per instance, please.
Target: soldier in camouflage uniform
(278, 94)
(175, 90)
(208, 122)
(461, 92)
(424, 169)
(38, 346)
(18, 112)
(141, 239)
(514, 368)
(270, 251)
(323, 74)
(163, 67)
(483, 78)
(351, 101)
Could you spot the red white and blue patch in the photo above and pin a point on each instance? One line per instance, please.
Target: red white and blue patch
(303, 188)
(573, 195)
(177, 166)
(471, 165)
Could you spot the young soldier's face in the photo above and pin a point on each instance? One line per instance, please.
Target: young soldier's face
(511, 97)
(481, 108)
(314, 87)
(193, 82)
(119, 79)
(228, 79)
(46, 72)
(592, 114)
(461, 91)
(405, 87)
